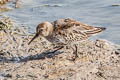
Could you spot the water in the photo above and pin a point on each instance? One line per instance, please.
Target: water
(92, 12)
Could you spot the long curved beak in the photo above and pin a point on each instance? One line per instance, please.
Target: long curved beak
(36, 35)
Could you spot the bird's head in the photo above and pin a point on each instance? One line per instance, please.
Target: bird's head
(44, 29)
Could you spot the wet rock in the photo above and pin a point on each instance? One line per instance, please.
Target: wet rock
(103, 44)
(117, 52)
(3, 2)
(7, 75)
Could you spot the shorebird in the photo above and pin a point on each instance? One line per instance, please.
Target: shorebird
(66, 31)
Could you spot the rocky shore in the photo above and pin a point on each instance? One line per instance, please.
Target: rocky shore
(97, 60)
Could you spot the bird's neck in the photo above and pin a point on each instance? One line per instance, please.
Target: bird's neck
(50, 30)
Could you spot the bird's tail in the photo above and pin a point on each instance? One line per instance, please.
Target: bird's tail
(95, 31)
(36, 35)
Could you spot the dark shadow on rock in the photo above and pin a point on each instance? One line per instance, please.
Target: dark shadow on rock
(47, 54)
(41, 56)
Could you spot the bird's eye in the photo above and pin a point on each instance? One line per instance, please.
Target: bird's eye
(41, 29)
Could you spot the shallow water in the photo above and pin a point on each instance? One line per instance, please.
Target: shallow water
(92, 12)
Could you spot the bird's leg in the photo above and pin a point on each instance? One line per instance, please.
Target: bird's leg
(75, 53)
(58, 47)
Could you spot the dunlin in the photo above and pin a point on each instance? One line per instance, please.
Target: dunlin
(66, 31)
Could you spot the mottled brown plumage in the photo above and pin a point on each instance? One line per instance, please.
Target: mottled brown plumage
(66, 31)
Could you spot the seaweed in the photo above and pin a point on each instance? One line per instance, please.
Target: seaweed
(114, 5)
